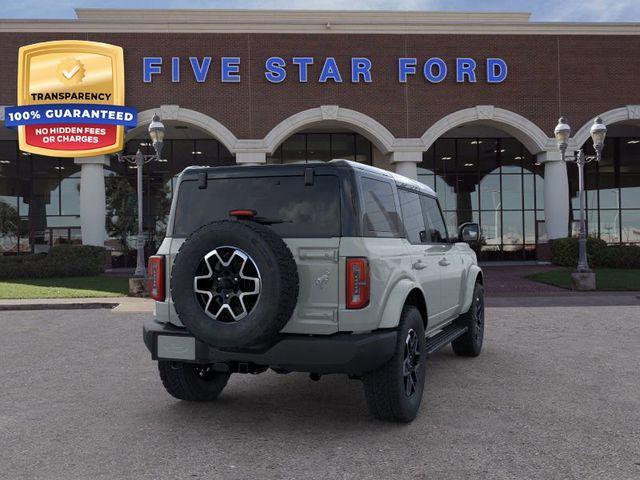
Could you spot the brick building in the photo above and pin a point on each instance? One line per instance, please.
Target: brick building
(465, 102)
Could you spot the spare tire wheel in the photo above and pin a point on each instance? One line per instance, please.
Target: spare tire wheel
(234, 284)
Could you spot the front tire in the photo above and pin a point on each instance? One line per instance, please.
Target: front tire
(193, 383)
(394, 391)
(470, 344)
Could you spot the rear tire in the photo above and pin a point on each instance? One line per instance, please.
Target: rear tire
(394, 391)
(194, 383)
(470, 344)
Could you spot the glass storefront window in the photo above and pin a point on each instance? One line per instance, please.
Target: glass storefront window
(487, 157)
(467, 192)
(8, 159)
(70, 196)
(466, 156)
(512, 229)
(511, 155)
(319, 147)
(491, 228)
(445, 156)
(446, 194)
(530, 228)
(630, 190)
(610, 226)
(491, 180)
(206, 152)
(630, 223)
(490, 193)
(294, 149)
(343, 146)
(512, 192)
(363, 150)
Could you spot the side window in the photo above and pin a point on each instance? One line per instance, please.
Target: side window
(380, 214)
(436, 229)
(412, 216)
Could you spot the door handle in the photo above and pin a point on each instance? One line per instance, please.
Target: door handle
(444, 262)
(418, 265)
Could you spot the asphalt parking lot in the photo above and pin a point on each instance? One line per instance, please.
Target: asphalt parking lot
(555, 394)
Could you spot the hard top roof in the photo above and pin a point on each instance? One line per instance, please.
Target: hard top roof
(399, 180)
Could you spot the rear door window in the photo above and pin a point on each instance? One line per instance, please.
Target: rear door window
(380, 214)
(412, 216)
(292, 208)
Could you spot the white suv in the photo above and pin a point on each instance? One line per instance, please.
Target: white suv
(323, 268)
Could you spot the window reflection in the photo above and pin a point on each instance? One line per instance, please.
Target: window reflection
(612, 191)
(306, 147)
(492, 181)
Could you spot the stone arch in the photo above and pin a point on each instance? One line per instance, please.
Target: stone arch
(527, 132)
(197, 119)
(622, 114)
(373, 130)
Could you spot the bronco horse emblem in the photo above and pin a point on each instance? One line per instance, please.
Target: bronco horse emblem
(323, 279)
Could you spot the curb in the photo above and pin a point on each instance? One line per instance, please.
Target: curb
(58, 306)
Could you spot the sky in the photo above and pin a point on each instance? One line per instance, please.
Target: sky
(542, 10)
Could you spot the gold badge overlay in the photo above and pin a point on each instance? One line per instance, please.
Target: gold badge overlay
(76, 67)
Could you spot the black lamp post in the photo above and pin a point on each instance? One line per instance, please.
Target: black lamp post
(156, 133)
(562, 133)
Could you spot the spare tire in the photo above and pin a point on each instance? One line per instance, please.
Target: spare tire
(234, 284)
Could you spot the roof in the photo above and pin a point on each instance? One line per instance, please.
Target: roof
(400, 180)
(310, 21)
(298, 167)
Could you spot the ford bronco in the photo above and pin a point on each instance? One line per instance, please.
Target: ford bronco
(323, 268)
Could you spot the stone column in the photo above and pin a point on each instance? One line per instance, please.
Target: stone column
(406, 163)
(251, 158)
(93, 208)
(556, 194)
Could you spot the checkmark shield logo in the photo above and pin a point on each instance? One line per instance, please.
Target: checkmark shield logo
(70, 71)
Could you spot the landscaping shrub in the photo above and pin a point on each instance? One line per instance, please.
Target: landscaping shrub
(61, 261)
(618, 256)
(564, 252)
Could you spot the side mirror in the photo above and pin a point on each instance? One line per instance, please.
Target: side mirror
(469, 232)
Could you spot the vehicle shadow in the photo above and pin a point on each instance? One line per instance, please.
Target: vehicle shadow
(293, 403)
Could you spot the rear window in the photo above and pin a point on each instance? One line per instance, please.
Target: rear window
(298, 210)
(380, 215)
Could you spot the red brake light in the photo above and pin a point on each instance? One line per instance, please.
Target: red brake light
(242, 213)
(156, 278)
(358, 286)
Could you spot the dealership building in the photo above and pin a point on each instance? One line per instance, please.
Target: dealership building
(464, 102)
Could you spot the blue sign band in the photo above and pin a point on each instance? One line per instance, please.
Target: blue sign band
(70, 113)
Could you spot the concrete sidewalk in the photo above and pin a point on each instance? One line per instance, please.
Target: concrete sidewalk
(121, 305)
(116, 304)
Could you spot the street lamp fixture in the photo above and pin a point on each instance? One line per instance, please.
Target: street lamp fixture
(562, 133)
(156, 133)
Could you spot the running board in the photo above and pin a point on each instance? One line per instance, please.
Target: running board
(444, 338)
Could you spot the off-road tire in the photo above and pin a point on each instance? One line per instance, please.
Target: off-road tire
(278, 290)
(193, 383)
(470, 344)
(385, 388)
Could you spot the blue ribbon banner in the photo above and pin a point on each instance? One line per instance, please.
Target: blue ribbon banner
(70, 113)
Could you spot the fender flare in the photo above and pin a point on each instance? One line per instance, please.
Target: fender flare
(395, 302)
(472, 275)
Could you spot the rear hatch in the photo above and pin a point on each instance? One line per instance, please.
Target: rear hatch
(301, 206)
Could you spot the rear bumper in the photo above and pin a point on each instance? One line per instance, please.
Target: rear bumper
(339, 353)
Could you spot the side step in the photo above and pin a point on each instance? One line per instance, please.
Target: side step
(444, 338)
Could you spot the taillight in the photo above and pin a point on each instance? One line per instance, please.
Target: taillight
(358, 286)
(156, 278)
